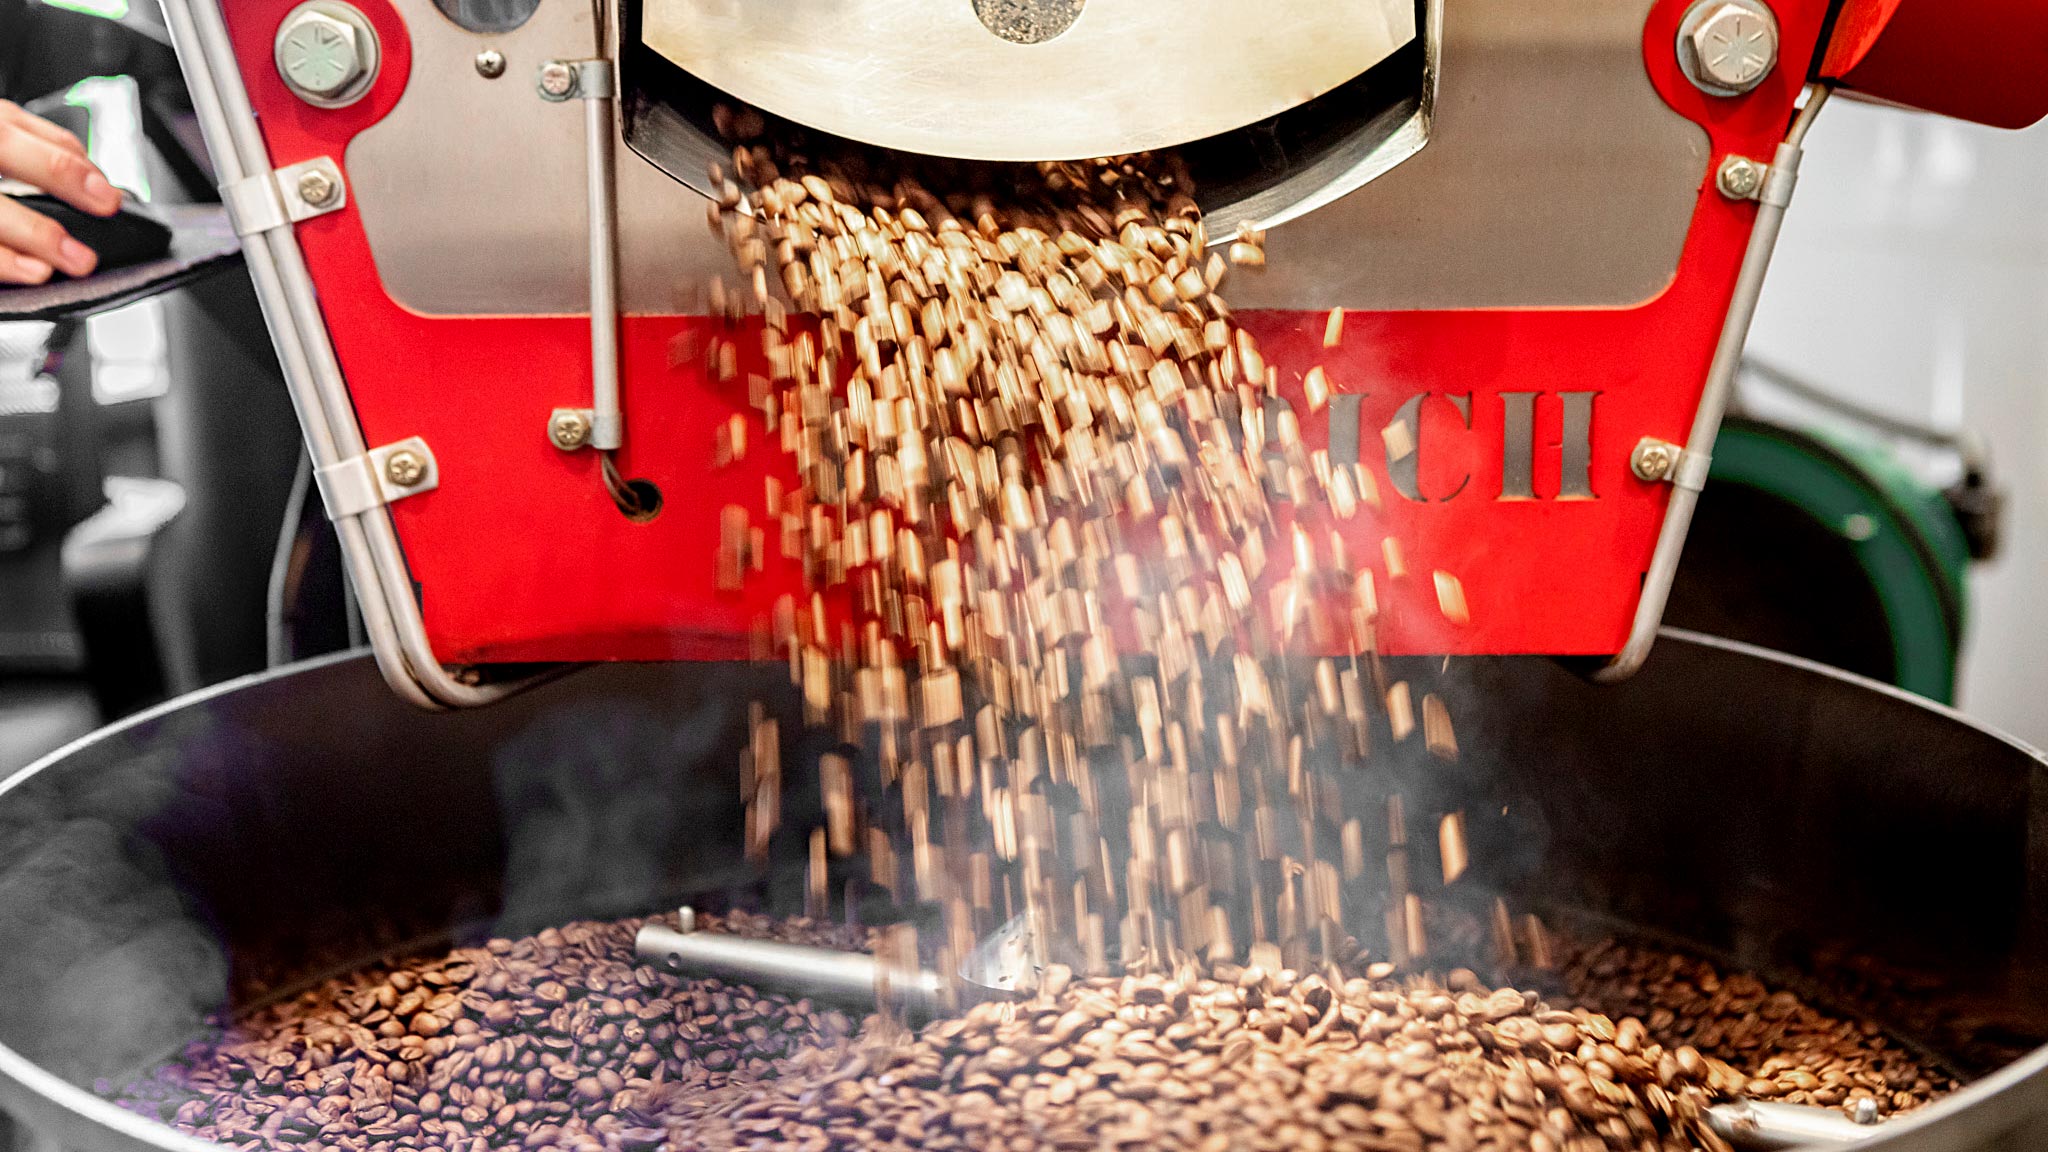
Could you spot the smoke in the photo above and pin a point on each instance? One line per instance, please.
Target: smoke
(105, 970)
(616, 805)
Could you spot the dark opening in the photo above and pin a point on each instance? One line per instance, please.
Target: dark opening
(638, 500)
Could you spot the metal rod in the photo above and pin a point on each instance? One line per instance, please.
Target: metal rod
(313, 374)
(848, 978)
(607, 423)
(1762, 1126)
(1706, 423)
(198, 60)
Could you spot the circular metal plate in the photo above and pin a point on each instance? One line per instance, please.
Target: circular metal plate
(930, 76)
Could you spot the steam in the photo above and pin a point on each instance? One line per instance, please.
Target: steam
(104, 970)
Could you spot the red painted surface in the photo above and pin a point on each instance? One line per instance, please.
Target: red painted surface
(520, 554)
(1982, 60)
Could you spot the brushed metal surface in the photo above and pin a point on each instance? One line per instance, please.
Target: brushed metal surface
(1554, 176)
(928, 76)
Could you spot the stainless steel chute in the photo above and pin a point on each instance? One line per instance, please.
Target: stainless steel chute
(946, 78)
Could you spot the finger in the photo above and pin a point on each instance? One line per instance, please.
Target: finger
(18, 269)
(13, 113)
(59, 171)
(32, 234)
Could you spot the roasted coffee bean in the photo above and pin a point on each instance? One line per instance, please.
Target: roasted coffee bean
(1263, 1059)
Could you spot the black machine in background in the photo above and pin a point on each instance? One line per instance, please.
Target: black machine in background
(142, 538)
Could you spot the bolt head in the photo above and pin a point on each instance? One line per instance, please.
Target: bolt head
(569, 429)
(319, 54)
(490, 63)
(1734, 47)
(405, 468)
(317, 188)
(1653, 460)
(1740, 178)
(557, 80)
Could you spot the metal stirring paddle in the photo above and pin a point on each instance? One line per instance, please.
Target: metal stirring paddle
(1005, 965)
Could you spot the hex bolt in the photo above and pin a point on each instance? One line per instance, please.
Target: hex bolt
(1653, 459)
(557, 80)
(490, 63)
(320, 56)
(1740, 178)
(405, 468)
(569, 429)
(1728, 47)
(317, 188)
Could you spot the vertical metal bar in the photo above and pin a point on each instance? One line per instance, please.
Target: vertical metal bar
(199, 65)
(1706, 422)
(326, 411)
(607, 424)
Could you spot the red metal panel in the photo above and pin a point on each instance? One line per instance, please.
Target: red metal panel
(1981, 60)
(520, 555)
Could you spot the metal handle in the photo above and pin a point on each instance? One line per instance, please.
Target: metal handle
(1706, 423)
(1761, 1126)
(848, 978)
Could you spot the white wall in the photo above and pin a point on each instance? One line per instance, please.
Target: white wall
(1913, 274)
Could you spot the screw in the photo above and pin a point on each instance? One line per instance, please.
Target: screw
(317, 188)
(405, 468)
(1653, 459)
(1740, 178)
(1732, 46)
(557, 80)
(490, 63)
(319, 55)
(569, 429)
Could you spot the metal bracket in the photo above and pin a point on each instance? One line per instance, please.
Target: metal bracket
(1741, 178)
(276, 199)
(378, 477)
(1657, 460)
(575, 80)
(571, 428)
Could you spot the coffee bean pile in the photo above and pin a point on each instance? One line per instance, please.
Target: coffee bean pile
(1787, 1050)
(555, 1040)
(561, 1040)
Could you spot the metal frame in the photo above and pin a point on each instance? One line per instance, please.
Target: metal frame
(1697, 456)
(298, 331)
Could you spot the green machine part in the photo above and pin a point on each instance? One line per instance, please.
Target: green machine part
(1827, 547)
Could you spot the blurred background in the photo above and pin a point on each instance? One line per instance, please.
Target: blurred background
(1880, 502)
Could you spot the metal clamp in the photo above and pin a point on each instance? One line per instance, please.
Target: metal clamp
(1741, 178)
(378, 477)
(1655, 460)
(277, 199)
(575, 80)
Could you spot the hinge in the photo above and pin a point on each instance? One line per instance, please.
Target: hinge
(377, 477)
(286, 196)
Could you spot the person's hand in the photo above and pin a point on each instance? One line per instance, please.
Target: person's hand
(38, 152)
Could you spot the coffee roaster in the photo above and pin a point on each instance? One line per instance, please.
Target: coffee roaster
(474, 230)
